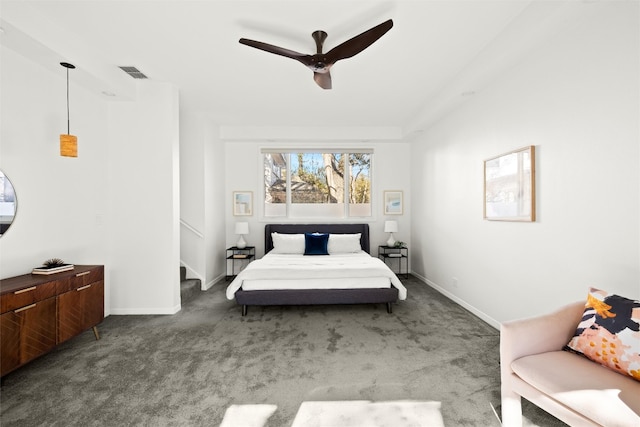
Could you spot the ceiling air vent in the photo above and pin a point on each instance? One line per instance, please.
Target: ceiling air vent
(134, 72)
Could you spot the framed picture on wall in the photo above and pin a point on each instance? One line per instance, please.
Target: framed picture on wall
(242, 203)
(509, 186)
(393, 203)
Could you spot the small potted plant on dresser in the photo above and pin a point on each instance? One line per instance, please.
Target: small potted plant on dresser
(51, 266)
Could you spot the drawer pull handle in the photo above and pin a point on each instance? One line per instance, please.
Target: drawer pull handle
(83, 288)
(24, 308)
(24, 290)
(84, 273)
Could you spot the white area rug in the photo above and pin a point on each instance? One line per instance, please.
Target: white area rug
(362, 413)
(346, 413)
(247, 415)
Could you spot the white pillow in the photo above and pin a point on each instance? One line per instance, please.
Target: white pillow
(344, 243)
(287, 243)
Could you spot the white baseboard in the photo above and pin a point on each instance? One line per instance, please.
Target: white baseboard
(488, 319)
(144, 311)
(209, 285)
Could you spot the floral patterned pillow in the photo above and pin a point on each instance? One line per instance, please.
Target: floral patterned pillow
(609, 332)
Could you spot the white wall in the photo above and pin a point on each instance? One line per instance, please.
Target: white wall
(245, 173)
(116, 204)
(61, 201)
(215, 177)
(144, 242)
(192, 195)
(576, 99)
(202, 178)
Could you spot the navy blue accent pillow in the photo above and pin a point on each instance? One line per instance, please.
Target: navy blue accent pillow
(316, 244)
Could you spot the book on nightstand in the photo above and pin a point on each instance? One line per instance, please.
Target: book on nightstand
(52, 270)
(240, 256)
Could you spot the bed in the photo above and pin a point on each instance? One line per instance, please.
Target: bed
(285, 276)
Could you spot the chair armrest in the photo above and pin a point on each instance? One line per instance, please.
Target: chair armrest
(540, 334)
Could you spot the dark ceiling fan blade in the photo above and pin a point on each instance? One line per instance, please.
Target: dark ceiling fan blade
(320, 63)
(358, 43)
(323, 80)
(305, 59)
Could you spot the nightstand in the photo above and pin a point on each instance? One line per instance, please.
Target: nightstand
(237, 259)
(396, 258)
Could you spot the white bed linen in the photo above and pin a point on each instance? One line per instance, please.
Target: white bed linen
(302, 267)
(316, 283)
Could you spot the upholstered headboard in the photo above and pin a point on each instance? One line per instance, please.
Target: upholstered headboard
(363, 229)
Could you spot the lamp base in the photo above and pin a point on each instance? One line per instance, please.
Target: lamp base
(241, 244)
(391, 240)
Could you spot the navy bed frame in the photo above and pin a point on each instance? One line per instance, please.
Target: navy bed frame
(317, 296)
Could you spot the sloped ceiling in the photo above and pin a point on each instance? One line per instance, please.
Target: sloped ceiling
(438, 54)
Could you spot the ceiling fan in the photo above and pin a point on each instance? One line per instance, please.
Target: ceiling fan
(320, 63)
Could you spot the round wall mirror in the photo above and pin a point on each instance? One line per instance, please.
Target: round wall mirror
(8, 203)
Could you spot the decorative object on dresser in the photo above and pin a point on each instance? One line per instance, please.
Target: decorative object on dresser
(53, 265)
(242, 228)
(39, 312)
(391, 227)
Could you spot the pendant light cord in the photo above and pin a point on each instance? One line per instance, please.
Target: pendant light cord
(67, 66)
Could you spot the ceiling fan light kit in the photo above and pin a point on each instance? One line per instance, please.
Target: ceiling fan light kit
(320, 63)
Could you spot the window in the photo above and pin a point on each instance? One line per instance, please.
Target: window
(319, 183)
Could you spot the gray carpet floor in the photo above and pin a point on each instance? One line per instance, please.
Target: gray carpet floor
(187, 369)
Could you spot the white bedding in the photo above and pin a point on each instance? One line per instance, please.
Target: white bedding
(307, 271)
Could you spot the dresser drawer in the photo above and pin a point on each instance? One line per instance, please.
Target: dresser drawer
(27, 333)
(26, 296)
(80, 279)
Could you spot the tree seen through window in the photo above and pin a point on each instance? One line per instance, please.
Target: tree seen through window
(318, 179)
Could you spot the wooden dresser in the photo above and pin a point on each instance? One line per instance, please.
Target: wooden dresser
(39, 312)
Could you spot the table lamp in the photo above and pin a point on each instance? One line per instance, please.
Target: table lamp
(391, 227)
(242, 228)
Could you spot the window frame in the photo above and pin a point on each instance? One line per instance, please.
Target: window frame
(289, 208)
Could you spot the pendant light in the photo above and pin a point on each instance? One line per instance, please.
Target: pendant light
(68, 143)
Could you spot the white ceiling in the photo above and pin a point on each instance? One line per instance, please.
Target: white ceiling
(437, 54)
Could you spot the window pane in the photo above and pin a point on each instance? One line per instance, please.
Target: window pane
(317, 178)
(359, 184)
(275, 184)
(317, 184)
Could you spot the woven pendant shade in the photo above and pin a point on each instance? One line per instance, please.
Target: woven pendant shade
(68, 146)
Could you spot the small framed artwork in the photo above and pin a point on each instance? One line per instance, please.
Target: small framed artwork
(242, 203)
(393, 203)
(509, 186)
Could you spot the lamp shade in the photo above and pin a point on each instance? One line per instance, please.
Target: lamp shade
(391, 226)
(242, 228)
(68, 145)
